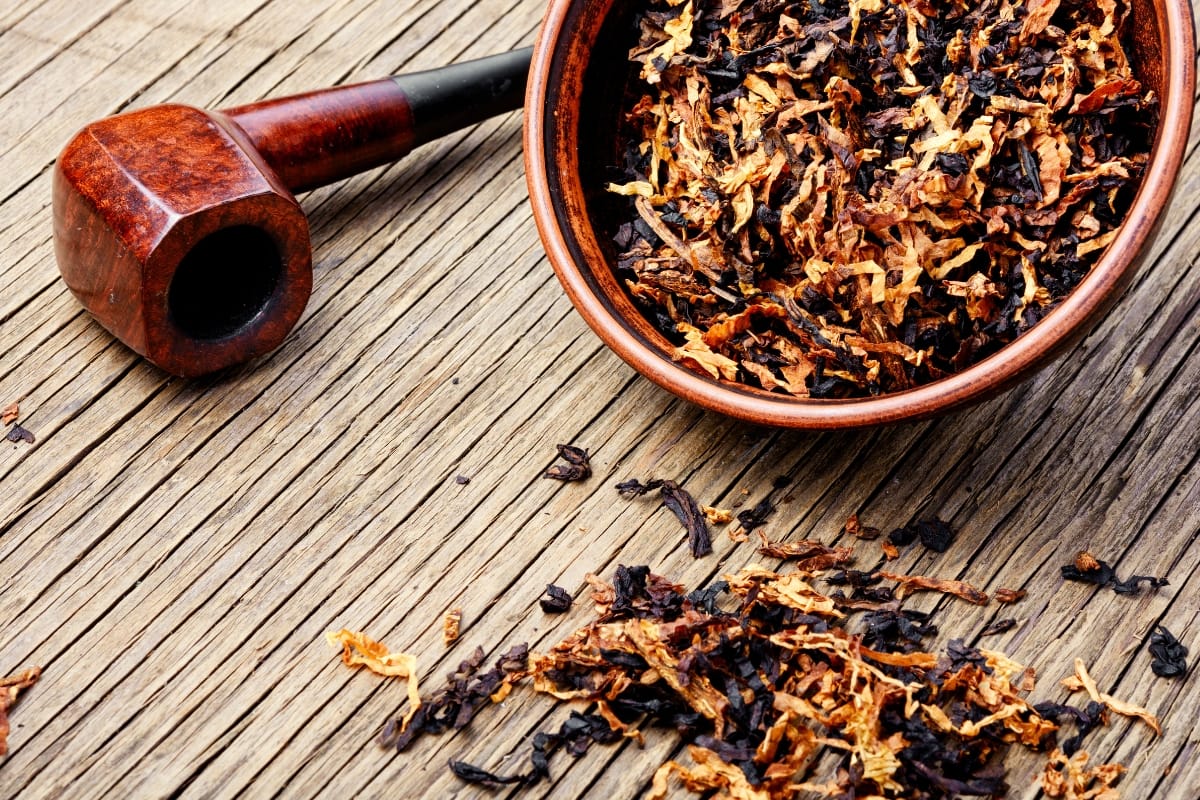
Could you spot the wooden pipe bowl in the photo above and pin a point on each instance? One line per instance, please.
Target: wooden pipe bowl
(135, 194)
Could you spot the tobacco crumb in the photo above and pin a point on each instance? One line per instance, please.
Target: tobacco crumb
(19, 434)
(999, 626)
(717, 516)
(859, 531)
(635, 488)
(809, 555)
(451, 625)
(461, 480)
(756, 517)
(11, 688)
(921, 583)
(465, 772)
(890, 551)
(10, 414)
(577, 468)
(1088, 569)
(1086, 719)
(830, 201)
(759, 691)
(934, 534)
(556, 600)
(1169, 654)
(1009, 595)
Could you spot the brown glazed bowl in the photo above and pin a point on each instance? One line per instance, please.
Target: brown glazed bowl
(575, 87)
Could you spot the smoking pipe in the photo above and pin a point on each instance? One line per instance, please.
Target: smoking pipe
(178, 230)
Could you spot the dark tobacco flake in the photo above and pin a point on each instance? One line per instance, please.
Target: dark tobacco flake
(999, 626)
(556, 600)
(1086, 720)
(682, 505)
(685, 507)
(1088, 569)
(903, 537)
(18, 433)
(576, 735)
(1169, 654)
(763, 694)
(462, 480)
(756, 517)
(577, 468)
(482, 777)
(859, 531)
(934, 534)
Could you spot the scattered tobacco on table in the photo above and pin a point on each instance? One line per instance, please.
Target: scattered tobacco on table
(556, 600)
(1086, 568)
(10, 414)
(1083, 681)
(1086, 720)
(775, 697)
(1169, 654)
(462, 480)
(850, 198)
(10, 689)
(1009, 595)
(577, 468)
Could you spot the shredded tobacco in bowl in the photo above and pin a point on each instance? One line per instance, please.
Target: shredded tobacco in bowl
(857, 197)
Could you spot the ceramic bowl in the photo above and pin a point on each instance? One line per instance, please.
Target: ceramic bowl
(575, 87)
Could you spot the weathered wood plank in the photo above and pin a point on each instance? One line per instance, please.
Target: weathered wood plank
(174, 551)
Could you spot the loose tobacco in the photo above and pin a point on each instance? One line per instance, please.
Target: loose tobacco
(854, 197)
(776, 698)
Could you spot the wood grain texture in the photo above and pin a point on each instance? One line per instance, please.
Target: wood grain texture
(173, 551)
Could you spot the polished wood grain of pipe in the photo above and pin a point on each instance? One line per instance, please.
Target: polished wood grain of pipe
(178, 230)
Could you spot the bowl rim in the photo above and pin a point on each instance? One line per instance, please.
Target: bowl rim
(1064, 324)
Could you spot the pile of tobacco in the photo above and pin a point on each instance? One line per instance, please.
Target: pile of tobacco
(856, 197)
(774, 696)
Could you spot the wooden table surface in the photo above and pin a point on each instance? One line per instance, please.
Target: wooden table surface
(172, 552)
